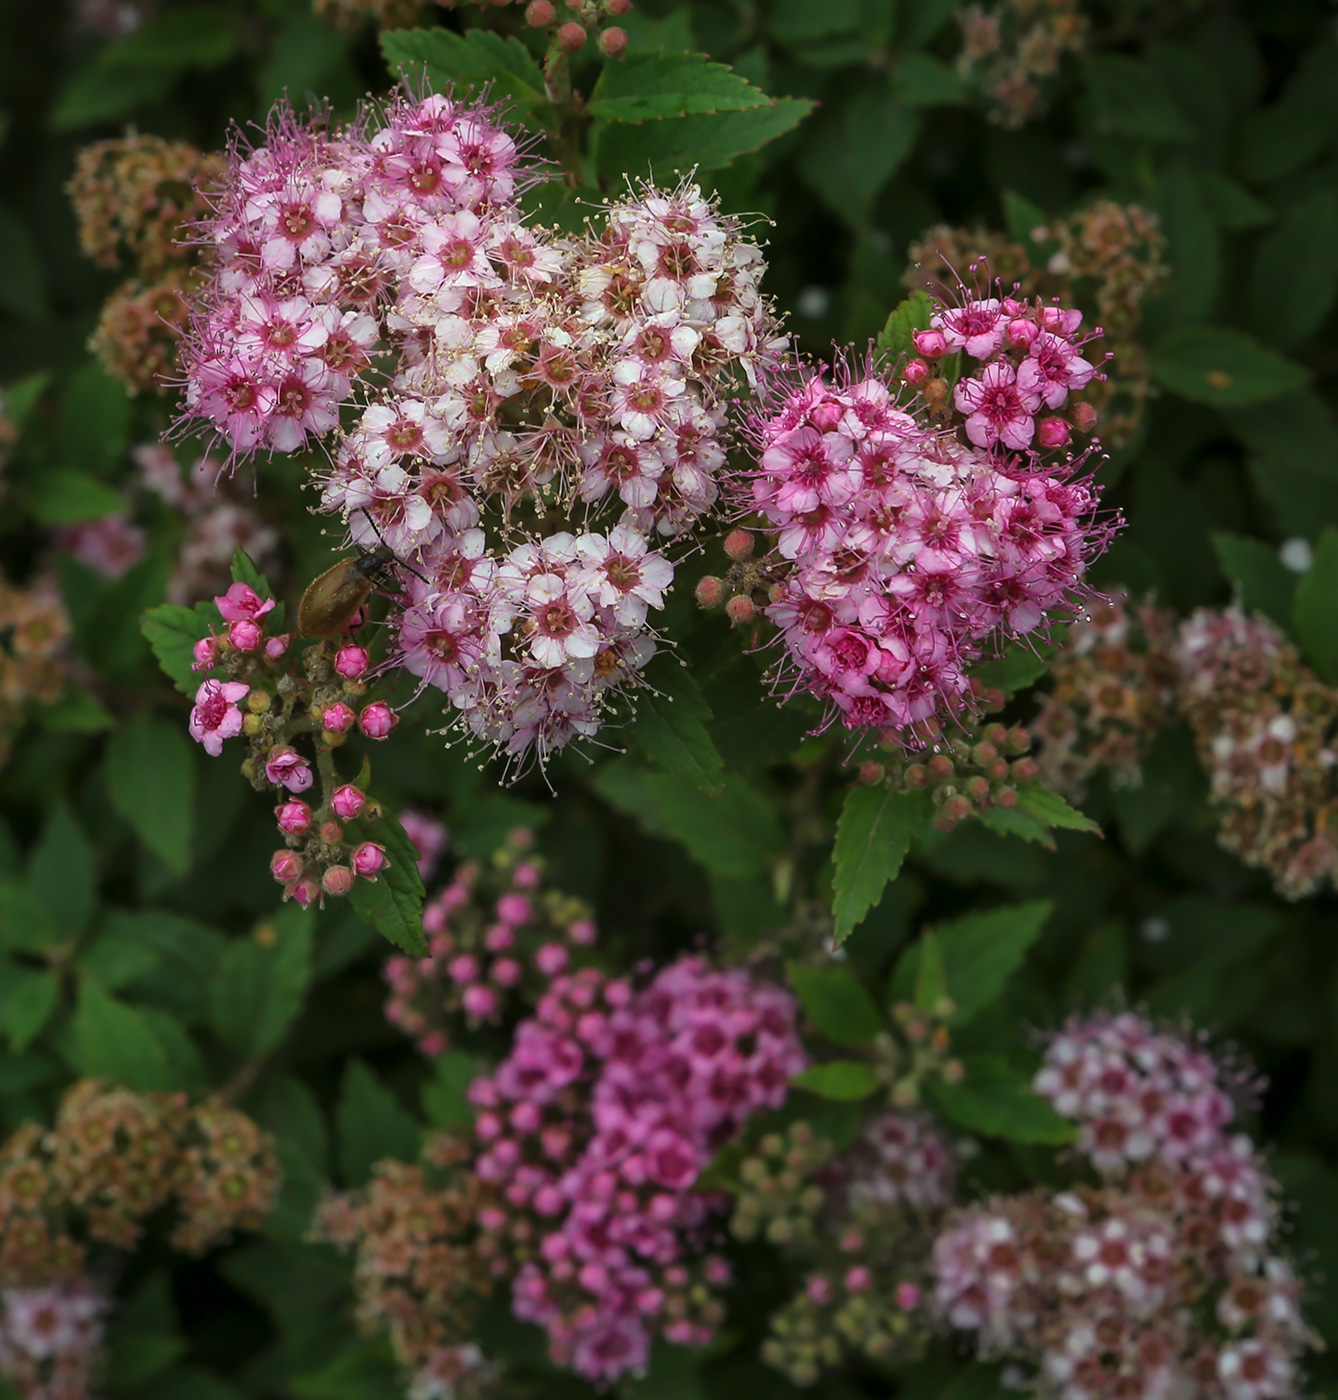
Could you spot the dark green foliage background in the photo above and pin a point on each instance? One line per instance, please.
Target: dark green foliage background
(146, 862)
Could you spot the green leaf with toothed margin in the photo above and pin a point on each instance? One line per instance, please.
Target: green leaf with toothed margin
(838, 1079)
(670, 726)
(172, 632)
(914, 314)
(646, 86)
(995, 1100)
(477, 58)
(873, 834)
(393, 902)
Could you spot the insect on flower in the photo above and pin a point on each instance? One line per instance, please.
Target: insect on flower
(332, 601)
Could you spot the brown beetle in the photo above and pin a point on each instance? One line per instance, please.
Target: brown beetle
(330, 602)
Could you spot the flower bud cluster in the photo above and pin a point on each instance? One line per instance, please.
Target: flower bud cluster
(134, 198)
(419, 1275)
(112, 1159)
(494, 934)
(1009, 48)
(1266, 731)
(967, 769)
(1113, 689)
(864, 1262)
(52, 1341)
(901, 554)
(551, 406)
(34, 629)
(1104, 257)
(352, 15)
(779, 1198)
(1164, 1280)
(268, 703)
(594, 1131)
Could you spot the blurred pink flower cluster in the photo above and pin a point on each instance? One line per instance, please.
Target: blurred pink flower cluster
(51, 1341)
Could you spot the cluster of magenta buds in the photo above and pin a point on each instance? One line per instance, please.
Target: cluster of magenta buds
(276, 698)
(571, 22)
(966, 772)
(779, 1196)
(745, 588)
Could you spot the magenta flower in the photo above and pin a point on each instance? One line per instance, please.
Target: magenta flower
(978, 328)
(216, 716)
(242, 603)
(285, 767)
(999, 408)
(1052, 368)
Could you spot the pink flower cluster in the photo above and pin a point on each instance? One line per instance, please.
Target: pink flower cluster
(595, 1130)
(51, 1341)
(903, 555)
(901, 1159)
(1031, 363)
(1165, 1281)
(534, 382)
(493, 931)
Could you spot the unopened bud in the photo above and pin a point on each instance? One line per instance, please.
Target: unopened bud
(1025, 769)
(940, 767)
(571, 37)
(956, 809)
(337, 880)
(1053, 432)
(978, 788)
(539, 14)
(331, 833)
(871, 774)
(916, 371)
(1021, 332)
(347, 801)
(351, 662)
(275, 647)
(285, 866)
(246, 634)
(293, 817)
(984, 754)
(1005, 797)
(252, 725)
(932, 344)
(258, 702)
(710, 590)
(304, 891)
(617, 7)
(934, 391)
(917, 775)
(1085, 417)
(739, 545)
(377, 720)
(368, 859)
(612, 42)
(740, 610)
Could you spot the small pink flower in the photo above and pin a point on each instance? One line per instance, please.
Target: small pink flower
(352, 662)
(368, 859)
(285, 767)
(907, 1296)
(858, 1279)
(337, 880)
(506, 972)
(293, 817)
(377, 720)
(479, 1001)
(337, 718)
(551, 959)
(463, 969)
(999, 410)
(205, 652)
(514, 909)
(348, 801)
(216, 716)
(976, 328)
(275, 647)
(245, 634)
(582, 933)
(242, 601)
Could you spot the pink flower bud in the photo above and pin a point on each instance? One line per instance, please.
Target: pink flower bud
(819, 1290)
(285, 767)
(368, 859)
(275, 647)
(1053, 432)
(240, 601)
(465, 968)
(337, 880)
(514, 909)
(826, 415)
(710, 590)
(245, 634)
(352, 662)
(1060, 320)
(1021, 332)
(582, 933)
(612, 42)
(505, 972)
(480, 1002)
(285, 865)
(617, 8)
(433, 1043)
(916, 371)
(293, 817)
(347, 802)
(205, 652)
(304, 891)
(1085, 417)
(740, 610)
(377, 720)
(858, 1279)
(337, 718)
(571, 37)
(907, 1295)
(331, 833)
(933, 345)
(551, 959)
(499, 938)
(539, 14)
(739, 545)
(526, 877)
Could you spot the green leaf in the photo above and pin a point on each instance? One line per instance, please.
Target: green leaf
(1022, 218)
(670, 726)
(855, 150)
(914, 314)
(101, 94)
(172, 632)
(1278, 141)
(151, 783)
(393, 902)
(838, 1079)
(1265, 584)
(61, 873)
(994, 1100)
(371, 1124)
(1036, 800)
(1022, 664)
(918, 80)
(1316, 609)
(1012, 821)
(93, 426)
(364, 1372)
(26, 924)
(734, 834)
(76, 712)
(835, 1003)
(446, 1095)
(873, 834)
(1232, 205)
(23, 290)
(1222, 368)
(185, 36)
(931, 973)
(646, 86)
(707, 142)
(135, 1358)
(245, 571)
(982, 951)
(1128, 98)
(1294, 278)
(111, 1040)
(471, 59)
(29, 1000)
(261, 982)
(176, 968)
